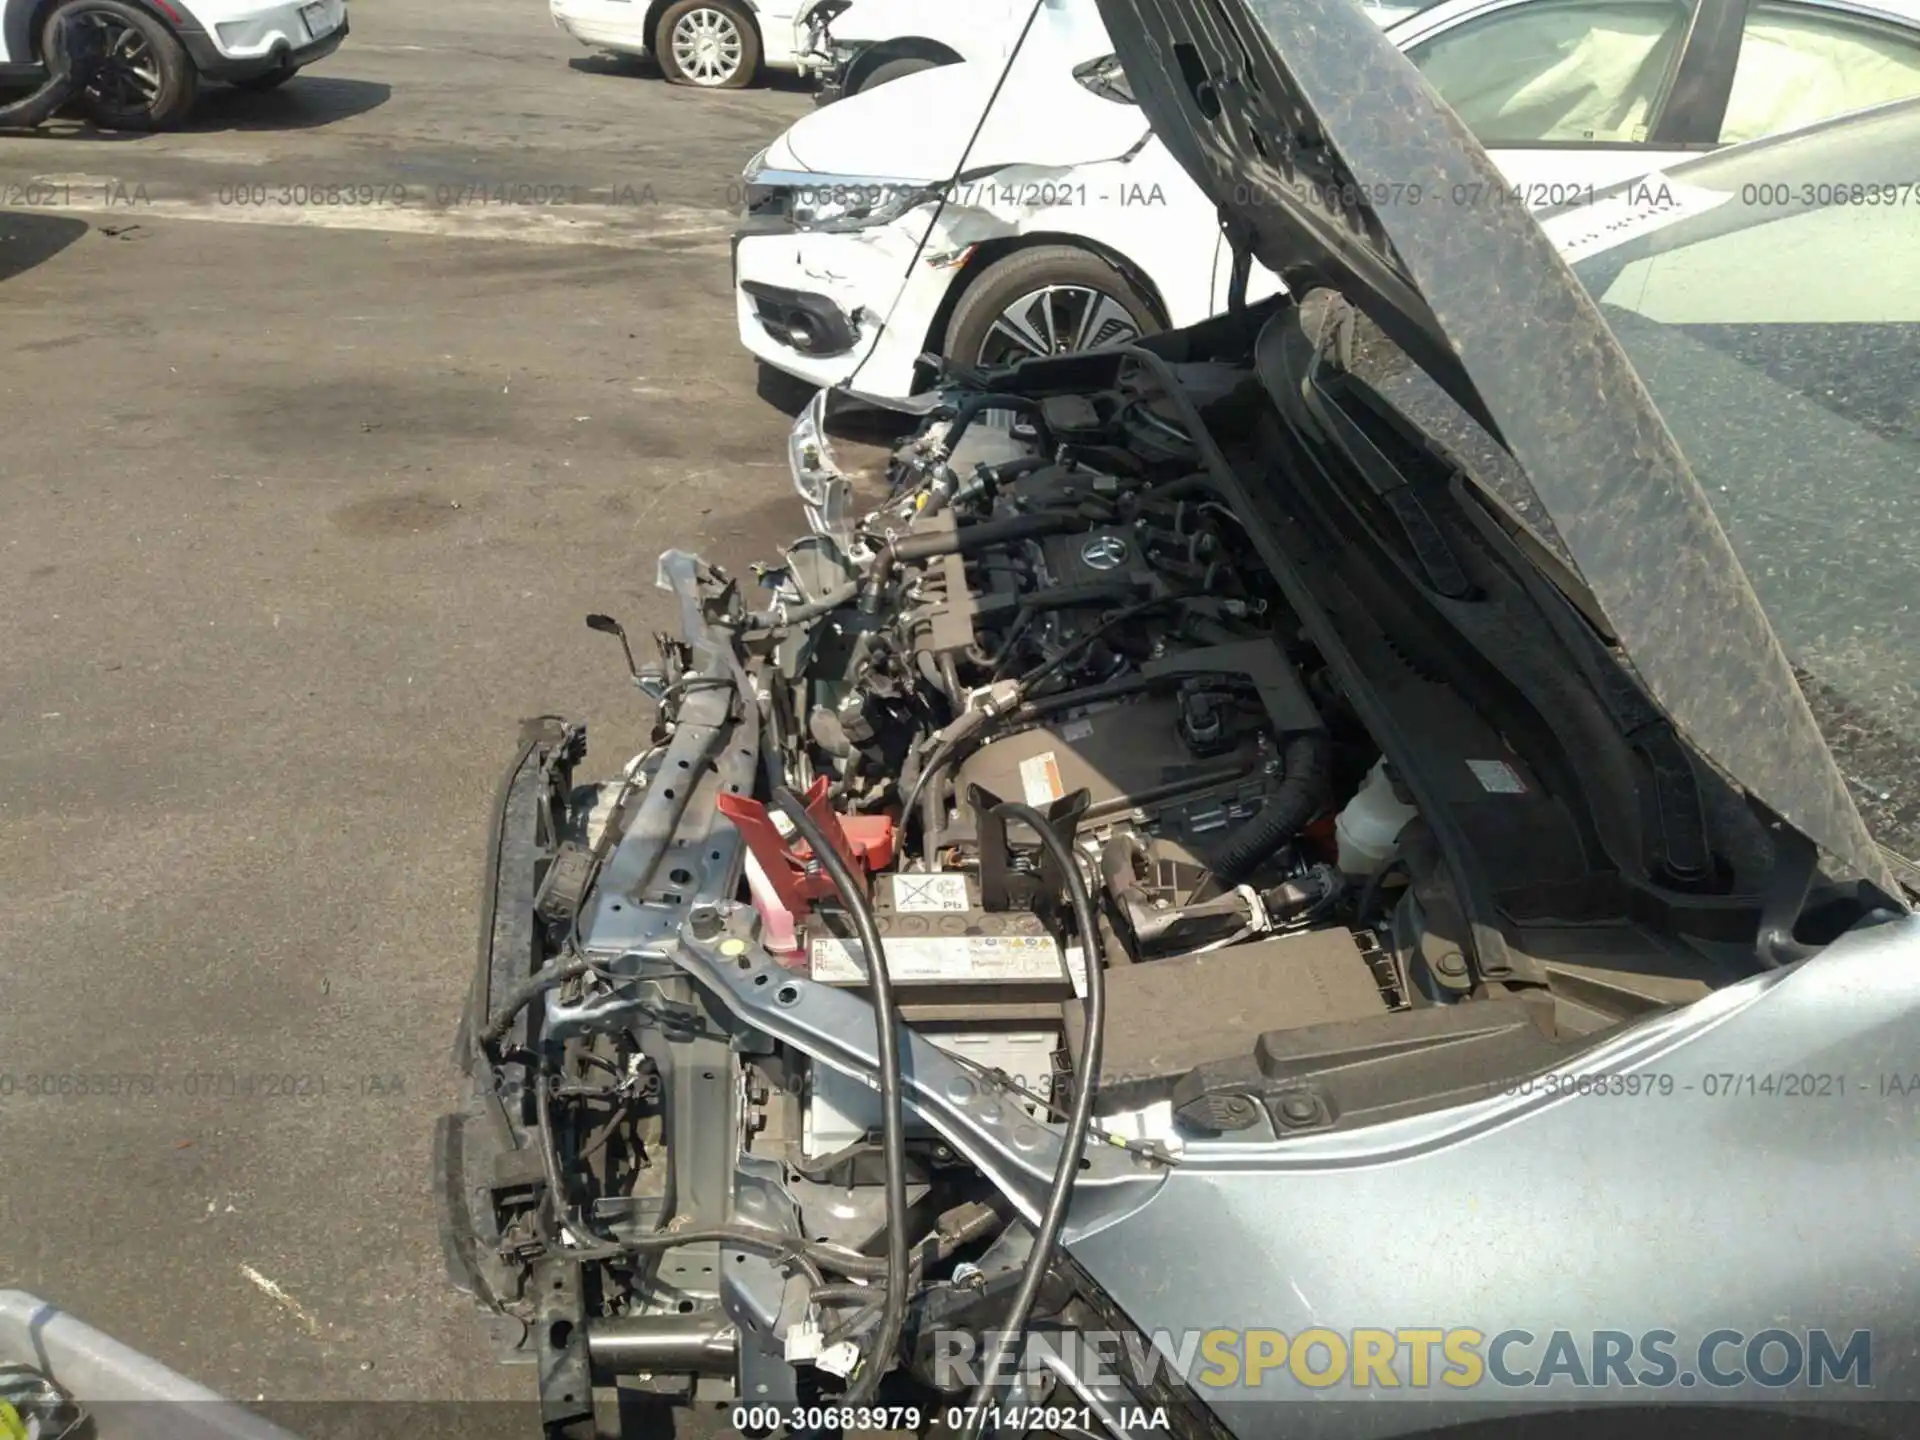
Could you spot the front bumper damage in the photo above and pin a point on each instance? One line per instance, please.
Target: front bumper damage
(822, 58)
(801, 320)
(828, 66)
(839, 307)
(878, 322)
(666, 925)
(486, 1160)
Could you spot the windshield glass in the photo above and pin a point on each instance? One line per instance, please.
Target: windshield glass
(1771, 302)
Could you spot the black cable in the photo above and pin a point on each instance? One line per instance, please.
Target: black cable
(840, 1294)
(1376, 883)
(942, 753)
(893, 1146)
(1086, 642)
(940, 201)
(529, 990)
(945, 750)
(842, 594)
(557, 1204)
(1086, 1080)
(931, 780)
(976, 404)
(1306, 762)
(852, 1325)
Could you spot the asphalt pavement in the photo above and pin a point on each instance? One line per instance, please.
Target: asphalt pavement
(326, 421)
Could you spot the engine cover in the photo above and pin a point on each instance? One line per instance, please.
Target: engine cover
(1136, 759)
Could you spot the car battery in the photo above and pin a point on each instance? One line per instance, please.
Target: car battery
(949, 960)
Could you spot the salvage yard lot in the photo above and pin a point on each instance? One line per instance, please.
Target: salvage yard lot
(307, 488)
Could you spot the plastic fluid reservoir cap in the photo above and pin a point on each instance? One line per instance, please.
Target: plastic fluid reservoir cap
(1366, 830)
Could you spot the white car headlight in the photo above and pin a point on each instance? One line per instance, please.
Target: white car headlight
(853, 204)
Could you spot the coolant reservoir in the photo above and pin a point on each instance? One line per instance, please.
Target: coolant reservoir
(1366, 829)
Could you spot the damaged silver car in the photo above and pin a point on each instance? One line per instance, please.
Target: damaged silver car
(1281, 879)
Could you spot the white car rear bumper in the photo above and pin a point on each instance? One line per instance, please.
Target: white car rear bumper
(618, 25)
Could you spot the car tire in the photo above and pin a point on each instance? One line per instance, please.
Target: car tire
(272, 80)
(1059, 290)
(708, 43)
(149, 82)
(893, 70)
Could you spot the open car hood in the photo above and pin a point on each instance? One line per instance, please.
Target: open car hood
(1331, 161)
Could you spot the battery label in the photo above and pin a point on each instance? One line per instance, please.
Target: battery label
(949, 959)
(942, 892)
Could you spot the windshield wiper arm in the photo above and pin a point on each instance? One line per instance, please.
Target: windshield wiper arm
(1304, 356)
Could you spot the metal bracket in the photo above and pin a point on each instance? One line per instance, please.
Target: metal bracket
(566, 1379)
(1001, 886)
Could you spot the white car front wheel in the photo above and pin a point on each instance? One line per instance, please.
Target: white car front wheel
(1049, 300)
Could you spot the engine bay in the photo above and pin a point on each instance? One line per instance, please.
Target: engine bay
(1296, 777)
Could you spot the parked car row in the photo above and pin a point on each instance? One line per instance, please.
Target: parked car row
(899, 223)
(149, 59)
(845, 47)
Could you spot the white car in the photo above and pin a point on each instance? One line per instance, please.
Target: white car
(1071, 226)
(159, 52)
(852, 47)
(718, 44)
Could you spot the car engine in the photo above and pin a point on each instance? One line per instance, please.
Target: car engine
(1046, 727)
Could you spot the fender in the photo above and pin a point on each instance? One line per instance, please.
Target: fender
(982, 30)
(902, 47)
(23, 25)
(990, 251)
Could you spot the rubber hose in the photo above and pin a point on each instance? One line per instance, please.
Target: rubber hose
(841, 594)
(965, 540)
(1307, 762)
(974, 406)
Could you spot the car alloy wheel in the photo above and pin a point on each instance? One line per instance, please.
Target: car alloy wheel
(128, 80)
(708, 46)
(1056, 320)
(143, 78)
